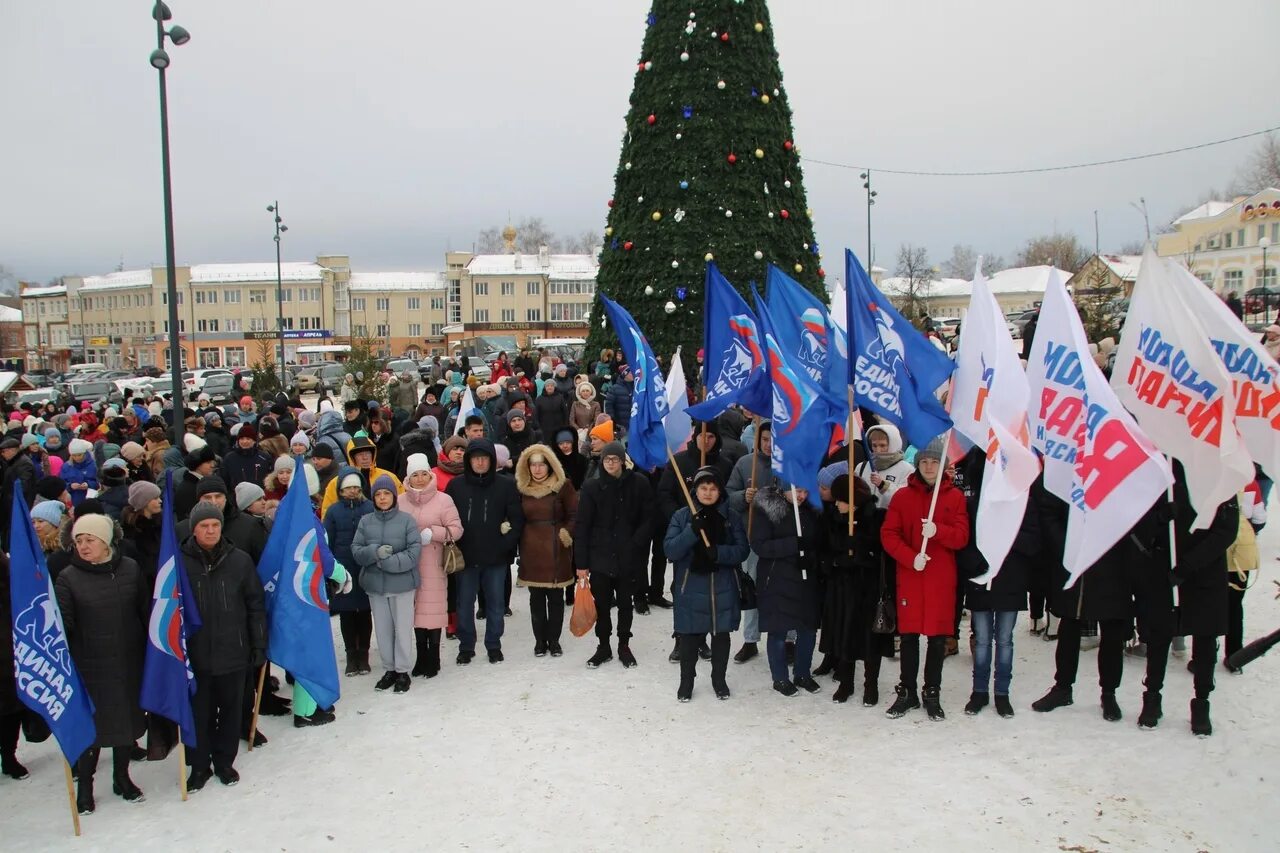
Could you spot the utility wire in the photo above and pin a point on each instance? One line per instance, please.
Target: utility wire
(998, 172)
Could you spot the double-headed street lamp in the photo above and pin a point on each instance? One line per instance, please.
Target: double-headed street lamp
(871, 199)
(274, 210)
(160, 61)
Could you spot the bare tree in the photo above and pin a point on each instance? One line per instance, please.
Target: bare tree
(1261, 170)
(1133, 247)
(489, 241)
(912, 299)
(585, 243)
(964, 260)
(1063, 251)
(8, 281)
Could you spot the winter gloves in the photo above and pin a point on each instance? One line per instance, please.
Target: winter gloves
(565, 538)
(504, 528)
(919, 562)
(928, 529)
(384, 551)
(425, 536)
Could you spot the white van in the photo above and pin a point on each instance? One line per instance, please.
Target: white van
(87, 367)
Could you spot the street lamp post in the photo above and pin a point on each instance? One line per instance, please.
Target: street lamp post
(871, 199)
(274, 209)
(1266, 289)
(160, 61)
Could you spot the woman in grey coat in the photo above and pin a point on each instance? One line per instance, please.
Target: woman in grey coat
(387, 545)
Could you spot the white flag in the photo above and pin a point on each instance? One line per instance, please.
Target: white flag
(1254, 373)
(1169, 376)
(1095, 456)
(677, 424)
(467, 406)
(989, 407)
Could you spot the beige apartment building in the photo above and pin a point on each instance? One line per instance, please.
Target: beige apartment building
(228, 312)
(1223, 242)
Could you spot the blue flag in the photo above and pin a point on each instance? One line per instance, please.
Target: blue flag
(895, 369)
(734, 352)
(168, 682)
(293, 569)
(805, 329)
(646, 438)
(803, 415)
(46, 676)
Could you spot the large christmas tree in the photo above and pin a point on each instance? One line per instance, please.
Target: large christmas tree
(709, 170)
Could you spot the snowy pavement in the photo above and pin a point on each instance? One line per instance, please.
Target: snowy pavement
(544, 754)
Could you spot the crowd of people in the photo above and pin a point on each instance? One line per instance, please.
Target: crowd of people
(427, 508)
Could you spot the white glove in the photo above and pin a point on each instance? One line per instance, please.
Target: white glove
(384, 551)
(930, 529)
(425, 536)
(919, 562)
(505, 527)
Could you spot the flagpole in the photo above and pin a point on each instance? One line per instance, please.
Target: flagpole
(795, 505)
(688, 499)
(257, 700)
(849, 438)
(937, 482)
(71, 797)
(182, 765)
(755, 461)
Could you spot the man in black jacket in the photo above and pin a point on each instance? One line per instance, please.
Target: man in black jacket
(244, 531)
(492, 519)
(231, 643)
(19, 473)
(611, 546)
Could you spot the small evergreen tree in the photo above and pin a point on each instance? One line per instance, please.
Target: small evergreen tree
(709, 169)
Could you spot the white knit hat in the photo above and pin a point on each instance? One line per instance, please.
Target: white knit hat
(78, 446)
(351, 480)
(192, 442)
(414, 463)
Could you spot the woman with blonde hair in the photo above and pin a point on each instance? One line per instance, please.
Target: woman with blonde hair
(550, 505)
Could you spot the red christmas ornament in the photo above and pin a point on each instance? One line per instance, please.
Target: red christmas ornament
(733, 158)
(822, 273)
(724, 37)
(611, 202)
(784, 213)
(640, 66)
(788, 145)
(627, 245)
(653, 119)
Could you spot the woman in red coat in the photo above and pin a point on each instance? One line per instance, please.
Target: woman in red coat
(926, 582)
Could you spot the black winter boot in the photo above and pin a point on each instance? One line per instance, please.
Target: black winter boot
(870, 694)
(433, 653)
(1057, 697)
(1200, 723)
(826, 666)
(121, 784)
(1111, 708)
(906, 701)
(843, 691)
(625, 656)
(420, 664)
(1151, 713)
(353, 663)
(603, 654)
(686, 653)
(977, 701)
(933, 704)
(746, 653)
(85, 768)
(1003, 706)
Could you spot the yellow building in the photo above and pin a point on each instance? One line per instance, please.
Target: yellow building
(1223, 242)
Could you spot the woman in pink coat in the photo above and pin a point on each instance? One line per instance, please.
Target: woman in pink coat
(438, 521)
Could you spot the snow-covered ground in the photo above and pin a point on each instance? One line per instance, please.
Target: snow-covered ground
(544, 754)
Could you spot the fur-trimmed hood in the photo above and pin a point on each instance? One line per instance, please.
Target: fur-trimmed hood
(584, 396)
(524, 481)
(774, 503)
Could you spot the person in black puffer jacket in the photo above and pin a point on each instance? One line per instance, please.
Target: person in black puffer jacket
(421, 440)
(244, 531)
(492, 519)
(551, 410)
(114, 491)
(611, 546)
(994, 606)
(231, 644)
(617, 403)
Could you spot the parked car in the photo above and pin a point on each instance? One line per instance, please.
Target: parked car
(307, 377)
(946, 326)
(1024, 318)
(164, 382)
(219, 387)
(36, 397)
(94, 390)
(1260, 299)
(400, 365)
(331, 376)
(38, 380)
(200, 375)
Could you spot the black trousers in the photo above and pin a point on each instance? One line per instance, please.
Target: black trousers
(871, 664)
(10, 728)
(1204, 657)
(933, 656)
(546, 612)
(609, 591)
(87, 766)
(690, 644)
(217, 707)
(1235, 620)
(357, 629)
(658, 561)
(1114, 633)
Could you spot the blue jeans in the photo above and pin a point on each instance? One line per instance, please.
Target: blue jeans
(751, 618)
(775, 647)
(494, 579)
(988, 627)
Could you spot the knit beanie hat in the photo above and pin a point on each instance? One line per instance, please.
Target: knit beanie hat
(52, 432)
(50, 511)
(415, 463)
(78, 446)
(300, 438)
(566, 435)
(614, 448)
(283, 463)
(211, 484)
(322, 450)
(349, 481)
(97, 526)
(503, 453)
(935, 450)
(453, 441)
(268, 427)
(131, 451)
(211, 417)
(142, 493)
(603, 431)
(110, 451)
(203, 511)
(50, 488)
(30, 440)
(384, 483)
(247, 493)
(192, 442)
(516, 414)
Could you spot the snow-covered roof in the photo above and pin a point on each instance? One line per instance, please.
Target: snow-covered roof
(235, 273)
(1124, 266)
(7, 380)
(117, 280)
(10, 315)
(32, 292)
(1011, 281)
(563, 267)
(364, 281)
(1204, 211)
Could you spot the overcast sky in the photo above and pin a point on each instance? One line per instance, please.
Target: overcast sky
(390, 131)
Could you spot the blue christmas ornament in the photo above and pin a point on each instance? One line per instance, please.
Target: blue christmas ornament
(688, 111)
(613, 244)
(652, 19)
(814, 248)
(754, 93)
(681, 293)
(684, 185)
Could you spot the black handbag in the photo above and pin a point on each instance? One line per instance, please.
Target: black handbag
(747, 599)
(885, 620)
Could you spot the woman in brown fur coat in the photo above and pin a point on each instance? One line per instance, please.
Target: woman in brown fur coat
(550, 506)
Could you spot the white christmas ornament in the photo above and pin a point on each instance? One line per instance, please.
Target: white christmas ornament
(648, 66)
(684, 57)
(720, 85)
(678, 216)
(787, 184)
(729, 213)
(759, 255)
(675, 265)
(648, 290)
(670, 308)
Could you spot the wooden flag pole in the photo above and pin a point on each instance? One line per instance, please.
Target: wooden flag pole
(257, 701)
(182, 764)
(687, 497)
(755, 462)
(849, 437)
(71, 797)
